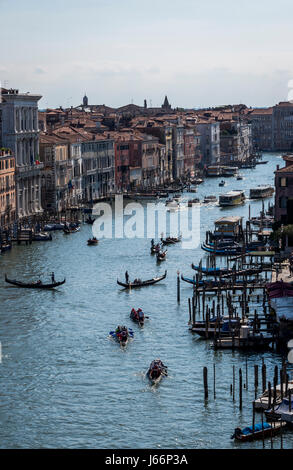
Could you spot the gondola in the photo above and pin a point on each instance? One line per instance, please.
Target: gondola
(259, 431)
(155, 248)
(139, 283)
(160, 371)
(34, 285)
(92, 241)
(171, 240)
(161, 255)
(68, 230)
(225, 251)
(211, 271)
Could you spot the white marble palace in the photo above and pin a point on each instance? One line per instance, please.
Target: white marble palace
(20, 133)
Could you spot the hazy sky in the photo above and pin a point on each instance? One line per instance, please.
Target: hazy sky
(199, 53)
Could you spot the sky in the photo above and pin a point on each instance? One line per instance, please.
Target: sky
(198, 53)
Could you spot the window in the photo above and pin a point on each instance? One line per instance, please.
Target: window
(283, 182)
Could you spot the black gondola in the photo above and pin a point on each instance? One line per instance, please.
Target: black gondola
(34, 285)
(139, 283)
(171, 240)
(161, 256)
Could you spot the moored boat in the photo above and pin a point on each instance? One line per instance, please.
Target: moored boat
(258, 431)
(42, 237)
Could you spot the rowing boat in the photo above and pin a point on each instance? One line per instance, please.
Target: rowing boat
(139, 283)
(259, 431)
(156, 372)
(34, 285)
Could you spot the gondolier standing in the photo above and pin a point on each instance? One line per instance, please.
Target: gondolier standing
(53, 278)
(126, 277)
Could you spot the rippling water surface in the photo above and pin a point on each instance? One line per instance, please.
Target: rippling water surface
(66, 384)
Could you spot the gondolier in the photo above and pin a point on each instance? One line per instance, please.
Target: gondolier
(126, 277)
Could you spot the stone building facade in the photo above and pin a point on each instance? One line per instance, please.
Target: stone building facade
(20, 133)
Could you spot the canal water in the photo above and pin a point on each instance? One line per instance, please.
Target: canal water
(66, 384)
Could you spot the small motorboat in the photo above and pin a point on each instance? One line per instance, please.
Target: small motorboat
(42, 237)
(258, 431)
(239, 177)
(34, 285)
(209, 199)
(138, 316)
(161, 256)
(196, 181)
(92, 241)
(193, 201)
(122, 335)
(139, 283)
(54, 226)
(171, 204)
(156, 371)
(5, 247)
(222, 183)
(72, 228)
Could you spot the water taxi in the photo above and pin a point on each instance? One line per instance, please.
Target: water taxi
(232, 198)
(261, 191)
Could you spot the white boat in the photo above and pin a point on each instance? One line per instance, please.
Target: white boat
(261, 191)
(262, 402)
(172, 205)
(281, 411)
(232, 198)
(229, 170)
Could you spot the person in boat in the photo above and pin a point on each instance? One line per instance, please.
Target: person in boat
(39, 282)
(140, 314)
(152, 242)
(134, 314)
(126, 277)
(53, 277)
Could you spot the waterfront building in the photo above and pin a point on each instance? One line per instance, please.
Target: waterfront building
(235, 141)
(284, 192)
(98, 168)
(192, 153)
(56, 173)
(20, 133)
(210, 141)
(178, 149)
(261, 128)
(7, 188)
(150, 161)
